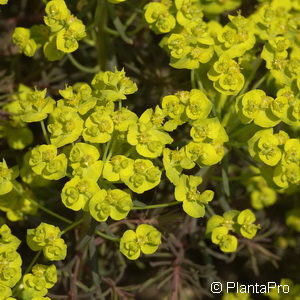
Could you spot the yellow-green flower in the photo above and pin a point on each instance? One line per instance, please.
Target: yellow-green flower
(5, 290)
(65, 126)
(236, 37)
(145, 239)
(263, 197)
(263, 146)
(55, 250)
(23, 40)
(159, 18)
(191, 47)
(8, 240)
(148, 140)
(141, 176)
(77, 192)
(292, 151)
(78, 96)
(33, 106)
(84, 161)
(10, 267)
(10, 260)
(245, 219)
(118, 166)
(50, 50)
(37, 283)
(114, 203)
(57, 13)
(7, 175)
(174, 162)
(46, 237)
(188, 11)
(44, 161)
(98, 127)
(198, 106)
(226, 242)
(187, 192)
(68, 37)
(204, 153)
(113, 86)
(218, 228)
(286, 174)
(226, 76)
(123, 118)
(256, 106)
(207, 130)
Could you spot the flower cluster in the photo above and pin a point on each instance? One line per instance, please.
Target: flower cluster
(44, 161)
(35, 285)
(46, 237)
(280, 154)
(145, 239)
(32, 105)
(208, 135)
(226, 76)
(58, 36)
(255, 106)
(219, 227)
(10, 262)
(194, 40)
(103, 156)
(193, 202)
(7, 175)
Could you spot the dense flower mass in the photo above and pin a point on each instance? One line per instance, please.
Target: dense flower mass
(58, 36)
(226, 137)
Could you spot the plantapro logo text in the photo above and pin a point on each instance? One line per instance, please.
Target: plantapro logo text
(236, 287)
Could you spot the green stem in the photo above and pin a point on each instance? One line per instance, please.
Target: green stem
(111, 31)
(106, 150)
(45, 132)
(28, 269)
(222, 102)
(156, 205)
(72, 225)
(210, 209)
(37, 255)
(80, 67)
(107, 237)
(99, 36)
(251, 76)
(198, 81)
(193, 79)
(50, 212)
(111, 149)
(259, 82)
